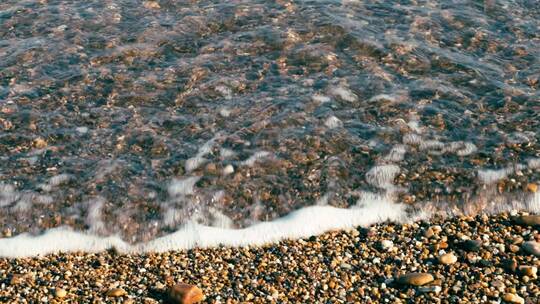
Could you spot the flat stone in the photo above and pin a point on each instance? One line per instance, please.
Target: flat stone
(528, 220)
(415, 279)
(531, 247)
(513, 298)
(116, 292)
(182, 293)
(447, 258)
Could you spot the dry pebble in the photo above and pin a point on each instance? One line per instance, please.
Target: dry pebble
(116, 292)
(513, 298)
(529, 271)
(335, 267)
(185, 294)
(447, 259)
(60, 293)
(416, 279)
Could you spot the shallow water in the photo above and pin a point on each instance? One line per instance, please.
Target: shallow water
(133, 118)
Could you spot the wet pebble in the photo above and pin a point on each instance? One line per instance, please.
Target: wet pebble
(531, 247)
(528, 220)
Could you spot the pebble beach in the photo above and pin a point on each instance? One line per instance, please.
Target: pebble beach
(483, 259)
(255, 151)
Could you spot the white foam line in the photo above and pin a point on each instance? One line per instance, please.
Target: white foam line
(305, 222)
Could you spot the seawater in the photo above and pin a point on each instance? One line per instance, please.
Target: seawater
(159, 125)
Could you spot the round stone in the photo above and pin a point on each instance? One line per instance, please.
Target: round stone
(531, 247)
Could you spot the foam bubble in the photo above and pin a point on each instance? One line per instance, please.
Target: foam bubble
(256, 157)
(382, 176)
(333, 122)
(320, 98)
(490, 176)
(183, 186)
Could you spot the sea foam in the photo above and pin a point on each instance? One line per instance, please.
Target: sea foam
(305, 222)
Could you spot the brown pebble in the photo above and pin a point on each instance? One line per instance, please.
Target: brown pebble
(416, 279)
(116, 292)
(532, 187)
(40, 143)
(432, 231)
(182, 293)
(529, 220)
(447, 259)
(16, 279)
(513, 298)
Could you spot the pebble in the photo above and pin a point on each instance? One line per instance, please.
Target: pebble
(531, 247)
(509, 265)
(116, 292)
(471, 245)
(182, 293)
(513, 248)
(513, 298)
(60, 293)
(447, 259)
(415, 279)
(435, 289)
(529, 271)
(532, 187)
(151, 5)
(40, 143)
(529, 220)
(228, 170)
(432, 231)
(387, 244)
